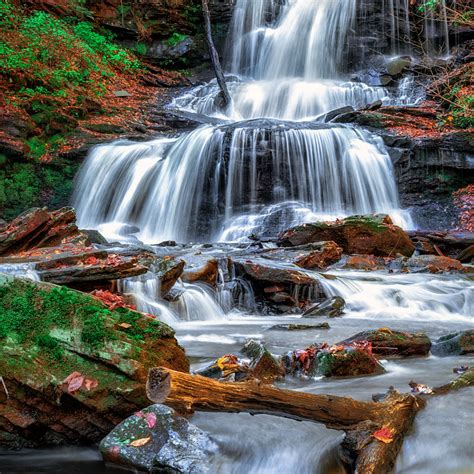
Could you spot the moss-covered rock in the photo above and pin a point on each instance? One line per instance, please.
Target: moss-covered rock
(372, 234)
(386, 342)
(48, 333)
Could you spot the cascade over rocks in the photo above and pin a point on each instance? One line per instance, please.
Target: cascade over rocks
(357, 234)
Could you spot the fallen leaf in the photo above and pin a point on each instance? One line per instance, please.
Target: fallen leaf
(125, 325)
(150, 419)
(384, 434)
(90, 384)
(75, 384)
(140, 442)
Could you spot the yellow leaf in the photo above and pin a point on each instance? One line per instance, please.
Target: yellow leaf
(140, 442)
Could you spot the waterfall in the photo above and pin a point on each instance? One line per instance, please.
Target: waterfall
(329, 171)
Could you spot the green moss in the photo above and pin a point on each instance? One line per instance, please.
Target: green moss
(26, 184)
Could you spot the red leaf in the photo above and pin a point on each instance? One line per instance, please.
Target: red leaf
(384, 434)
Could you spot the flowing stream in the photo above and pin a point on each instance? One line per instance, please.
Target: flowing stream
(268, 162)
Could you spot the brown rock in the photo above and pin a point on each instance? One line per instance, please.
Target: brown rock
(373, 235)
(386, 342)
(329, 253)
(206, 273)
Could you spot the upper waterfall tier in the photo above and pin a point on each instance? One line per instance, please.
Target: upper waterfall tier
(307, 41)
(194, 188)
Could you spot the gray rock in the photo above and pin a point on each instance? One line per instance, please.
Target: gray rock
(170, 443)
(458, 343)
(331, 308)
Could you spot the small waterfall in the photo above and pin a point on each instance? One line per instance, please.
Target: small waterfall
(407, 297)
(286, 99)
(146, 293)
(23, 270)
(330, 171)
(432, 22)
(198, 302)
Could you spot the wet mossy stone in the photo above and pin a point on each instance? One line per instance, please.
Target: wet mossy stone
(47, 332)
(458, 343)
(366, 234)
(156, 439)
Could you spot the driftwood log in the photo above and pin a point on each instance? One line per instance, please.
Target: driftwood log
(361, 451)
(216, 64)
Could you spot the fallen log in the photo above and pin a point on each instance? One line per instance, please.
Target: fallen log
(360, 420)
(187, 393)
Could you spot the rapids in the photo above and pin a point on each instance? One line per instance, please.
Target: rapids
(267, 163)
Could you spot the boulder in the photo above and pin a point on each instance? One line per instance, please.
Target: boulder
(38, 228)
(366, 262)
(386, 342)
(331, 308)
(281, 286)
(458, 343)
(263, 365)
(207, 273)
(373, 235)
(168, 270)
(327, 254)
(73, 367)
(156, 439)
(349, 361)
(434, 264)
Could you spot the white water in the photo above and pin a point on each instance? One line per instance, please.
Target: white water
(214, 173)
(220, 181)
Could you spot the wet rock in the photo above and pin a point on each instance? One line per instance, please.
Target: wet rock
(38, 228)
(77, 367)
(88, 269)
(156, 439)
(331, 308)
(386, 342)
(336, 112)
(327, 254)
(434, 264)
(459, 343)
(365, 262)
(207, 273)
(94, 237)
(168, 270)
(374, 235)
(347, 362)
(396, 66)
(299, 327)
(279, 286)
(264, 366)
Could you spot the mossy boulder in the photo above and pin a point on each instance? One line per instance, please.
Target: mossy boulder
(48, 333)
(348, 362)
(372, 235)
(386, 342)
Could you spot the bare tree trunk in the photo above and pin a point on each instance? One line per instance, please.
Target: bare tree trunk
(216, 64)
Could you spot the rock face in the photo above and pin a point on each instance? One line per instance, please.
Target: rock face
(454, 344)
(38, 228)
(206, 273)
(156, 439)
(73, 368)
(376, 235)
(386, 342)
(435, 263)
(279, 286)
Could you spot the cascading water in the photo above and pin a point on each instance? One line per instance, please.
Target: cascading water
(204, 184)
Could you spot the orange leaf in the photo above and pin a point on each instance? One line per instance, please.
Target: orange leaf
(140, 442)
(90, 384)
(125, 325)
(384, 434)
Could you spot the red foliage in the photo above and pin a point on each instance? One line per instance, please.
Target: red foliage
(111, 300)
(464, 201)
